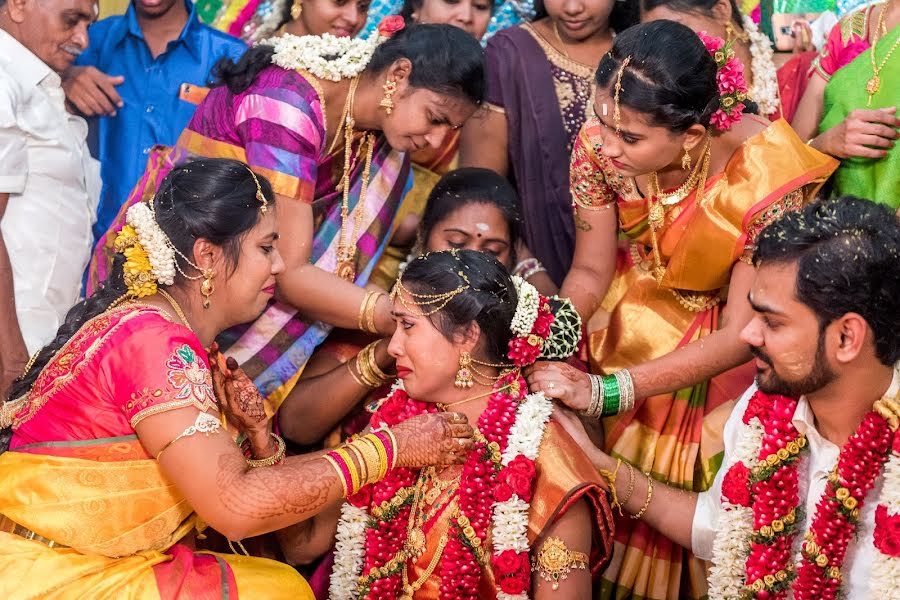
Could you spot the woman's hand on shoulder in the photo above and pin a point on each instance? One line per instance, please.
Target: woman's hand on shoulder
(560, 381)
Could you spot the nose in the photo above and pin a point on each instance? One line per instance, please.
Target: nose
(80, 35)
(277, 262)
(352, 15)
(465, 13)
(436, 136)
(612, 145)
(395, 346)
(752, 333)
(572, 7)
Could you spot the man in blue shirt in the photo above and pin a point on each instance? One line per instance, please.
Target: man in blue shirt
(140, 80)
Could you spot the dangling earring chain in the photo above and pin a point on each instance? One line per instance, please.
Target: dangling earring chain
(296, 9)
(387, 101)
(206, 287)
(686, 160)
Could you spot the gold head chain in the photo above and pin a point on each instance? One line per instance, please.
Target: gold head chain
(617, 115)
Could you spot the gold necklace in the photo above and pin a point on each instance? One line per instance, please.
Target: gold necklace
(444, 407)
(874, 83)
(564, 48)
(346, 250)
(672, 198)
(176, 307)
(416, 543)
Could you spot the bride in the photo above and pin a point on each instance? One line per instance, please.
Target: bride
(525, 514)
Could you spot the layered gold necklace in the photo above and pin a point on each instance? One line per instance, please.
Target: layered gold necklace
(874, 83)
(346, 250)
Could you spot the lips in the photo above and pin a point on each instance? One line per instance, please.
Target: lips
(270, 290)
(617, 164)
(403, 372)
(573, 25)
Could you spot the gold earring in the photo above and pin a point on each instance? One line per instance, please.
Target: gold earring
(296, 9)
(686, 160)
(464, 377)
(387, 101)
(206, 287)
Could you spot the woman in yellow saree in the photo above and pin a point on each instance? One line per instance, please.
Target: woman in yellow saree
(687, 197)
(119, 454)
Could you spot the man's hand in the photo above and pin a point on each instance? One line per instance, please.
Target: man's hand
(92, 92)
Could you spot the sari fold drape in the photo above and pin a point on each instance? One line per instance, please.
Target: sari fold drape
(119, 522)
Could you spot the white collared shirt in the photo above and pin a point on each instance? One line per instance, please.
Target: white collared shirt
(814, 470)
(53, 186)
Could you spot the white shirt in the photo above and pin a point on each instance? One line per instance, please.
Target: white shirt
(814, 470)
(53, 186)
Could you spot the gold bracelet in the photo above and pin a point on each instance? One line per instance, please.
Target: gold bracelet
(630, 484)
(646, 505)
(382, 454)
(271, 460)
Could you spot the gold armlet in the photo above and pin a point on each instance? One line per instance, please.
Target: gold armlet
(205, 424)
(555, 561)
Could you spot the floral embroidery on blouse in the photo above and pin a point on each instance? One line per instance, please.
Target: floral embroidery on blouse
(192, 383)
(593, 182)
(789, 203)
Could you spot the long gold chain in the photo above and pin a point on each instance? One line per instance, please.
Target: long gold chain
(672, 198)
(346, 250)
(176, 307)
(874, 83)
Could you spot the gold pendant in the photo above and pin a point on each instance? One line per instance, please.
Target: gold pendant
(872, 88)
(657, 214)
(346, 270)
(432, 495)
(415, 541)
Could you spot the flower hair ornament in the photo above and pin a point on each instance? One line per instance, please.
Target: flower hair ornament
(729, 80)
(329, 57)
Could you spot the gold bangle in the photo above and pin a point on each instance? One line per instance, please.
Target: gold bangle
(363, 466)
(370, 314)
(368, 367)
(390, 434)
(373, 362)
(646, 505)
(340, 473)
(351, 466)
(382, 454)
(356, 378)
(361, 316)
(270, 460)
(630, 484)
(375, 457)
(366, 318)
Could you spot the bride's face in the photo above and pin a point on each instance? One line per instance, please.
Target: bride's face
(426, 360)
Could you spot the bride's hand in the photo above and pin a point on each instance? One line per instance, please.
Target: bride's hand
(438, 439)
(562, 382)
(575, 428)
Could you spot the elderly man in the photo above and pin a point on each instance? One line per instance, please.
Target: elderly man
(49, 184)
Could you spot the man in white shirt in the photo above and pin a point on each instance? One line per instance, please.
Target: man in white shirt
(49, 184)
(826, 336)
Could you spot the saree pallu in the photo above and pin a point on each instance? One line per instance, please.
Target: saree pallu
(565, 476)
(678, 436)
(118, 521)
(876, 179)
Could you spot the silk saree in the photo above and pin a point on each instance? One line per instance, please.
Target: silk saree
(677, 437)
(85, 512)
(277, 126)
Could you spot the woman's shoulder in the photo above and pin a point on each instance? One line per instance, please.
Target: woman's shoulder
(510, 38)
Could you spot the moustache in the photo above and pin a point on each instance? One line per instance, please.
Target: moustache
(761, 355)
(73, 50)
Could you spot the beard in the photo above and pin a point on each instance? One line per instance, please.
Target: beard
(818, 377)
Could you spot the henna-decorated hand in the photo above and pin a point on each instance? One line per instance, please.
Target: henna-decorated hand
(239, 397)
(560, 381)
(438, 439)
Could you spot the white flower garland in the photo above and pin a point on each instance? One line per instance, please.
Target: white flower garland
(509, 524)
(731, 546)
(885, 574)
(325, 56)
(155, 242)
(351, 548)
(526, 309)
(764, 90)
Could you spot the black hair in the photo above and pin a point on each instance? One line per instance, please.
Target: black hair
(847, 250)
(671, 77)
(471, 185)
(489, 299)
(213, 199)
(700, 7)
(411, 6)
(445, 60)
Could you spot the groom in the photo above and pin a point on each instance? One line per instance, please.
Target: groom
(826, 336)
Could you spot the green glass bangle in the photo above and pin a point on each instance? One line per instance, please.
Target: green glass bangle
(611, 396)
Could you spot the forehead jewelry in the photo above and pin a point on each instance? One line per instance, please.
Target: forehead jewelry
(617, 115)
(259, 194)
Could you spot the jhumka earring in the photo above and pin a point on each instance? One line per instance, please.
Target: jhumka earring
(686, 160)
(732, 34)
(206, 286)
(296, 9)
(387, 101)
(464, 378)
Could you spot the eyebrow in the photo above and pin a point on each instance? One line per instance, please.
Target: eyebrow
(761, 308)
(621, 132)
(272, 236)
(80, 14)
(467, 234)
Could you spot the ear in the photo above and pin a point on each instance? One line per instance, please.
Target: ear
(850, 332)
(466, 339)
(722, 11)
(16, 10)
(207, 255)
(399, 70)
(693, 136)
